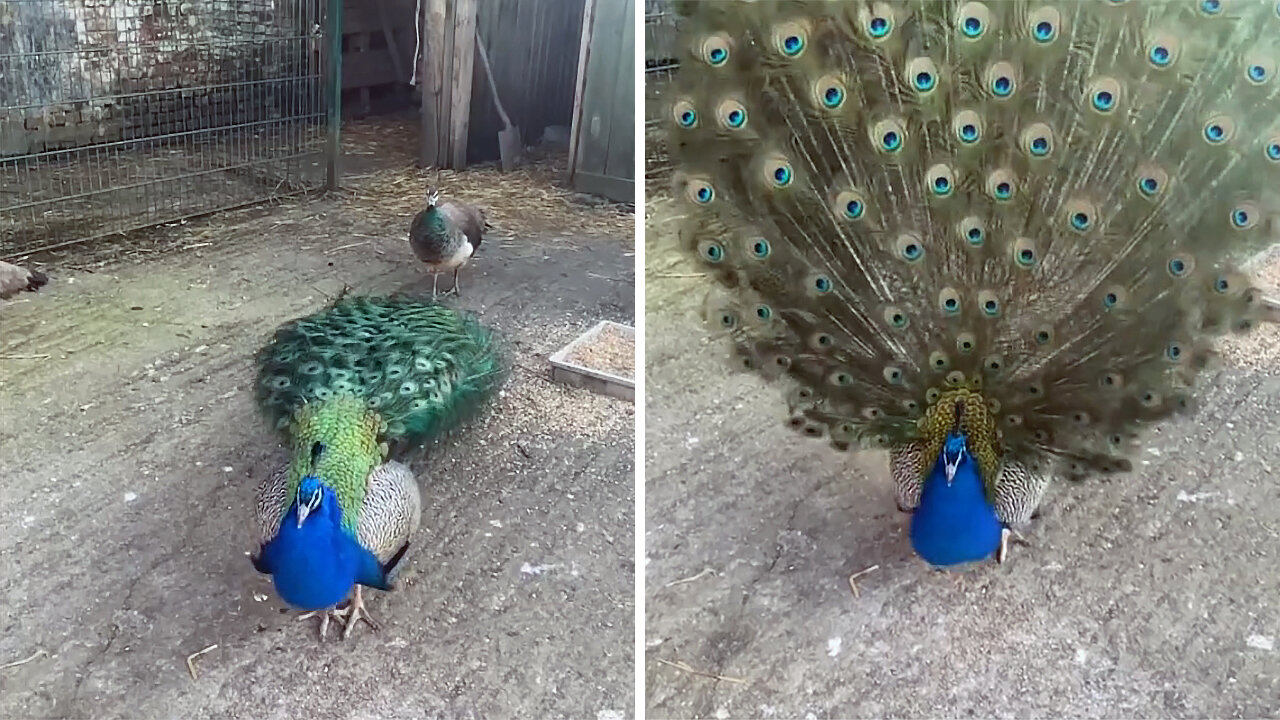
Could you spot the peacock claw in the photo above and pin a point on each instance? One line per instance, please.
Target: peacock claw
(1006, 533)
(354, 612)
(324, 616)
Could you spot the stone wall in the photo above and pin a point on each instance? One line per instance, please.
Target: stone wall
(83, 72)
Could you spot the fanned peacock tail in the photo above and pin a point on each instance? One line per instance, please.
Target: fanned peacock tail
(368, 371)
(1032, 210)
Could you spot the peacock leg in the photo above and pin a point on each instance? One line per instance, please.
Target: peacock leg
(454, 290)
(354, 612)
(1005, 534)
(435, 280)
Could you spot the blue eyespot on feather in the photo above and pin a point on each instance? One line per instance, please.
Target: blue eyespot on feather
(1160, 56)
(760, 248)
(1103, 101)
(1148, 186)
(969, 133)
(822, 284)
(1211, 7)
(1004, 191)
(879, 27)
(924, 81)
(713, 252)
(991, 308)
(1080, 221)
(1044, 31)
(912, 251)
(792, 45)
(891, 141)
(1110, 300)
(1214, 133)
(1222, 285)
(1002, 86)
(941, 186)
(1173, 351)
(717, 56)
(782, 176)
(1177, 267)
(1257, 74)
(764, 312)
(735, 119)
(688, 118)
(853, 209)
(1240, 218)
(974, 235)
(971, 27)
(833, 97)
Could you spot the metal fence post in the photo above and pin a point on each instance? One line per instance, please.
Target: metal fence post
(333, 145)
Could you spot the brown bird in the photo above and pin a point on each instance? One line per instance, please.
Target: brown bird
(445, 235)
(14, 279)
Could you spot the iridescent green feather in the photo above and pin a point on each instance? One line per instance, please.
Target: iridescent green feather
(368, 371)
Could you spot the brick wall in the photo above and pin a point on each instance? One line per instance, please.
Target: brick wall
(82, 72)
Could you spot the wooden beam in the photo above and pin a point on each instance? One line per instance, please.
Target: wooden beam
(584, 56)
(430, 82)
(464, 58)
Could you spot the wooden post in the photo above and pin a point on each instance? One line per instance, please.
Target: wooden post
(431, 83)
(464, 57)
(584, 56)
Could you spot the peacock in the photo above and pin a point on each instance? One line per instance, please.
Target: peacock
(445, 235)
(998, 238)
(15, 279)
(347, 387)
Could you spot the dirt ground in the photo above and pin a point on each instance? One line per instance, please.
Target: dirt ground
(130, 448)
(1154, 594)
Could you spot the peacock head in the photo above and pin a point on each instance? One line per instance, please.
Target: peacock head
(954, 452)
(311, 494)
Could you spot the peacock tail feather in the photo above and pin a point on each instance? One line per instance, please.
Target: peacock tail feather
(366, 372)
(1032, 210)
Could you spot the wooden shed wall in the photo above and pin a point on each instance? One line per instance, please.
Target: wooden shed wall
(533, 47)
(604, 156)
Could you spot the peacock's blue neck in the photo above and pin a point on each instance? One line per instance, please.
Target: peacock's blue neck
(955, 523)
(314, 564)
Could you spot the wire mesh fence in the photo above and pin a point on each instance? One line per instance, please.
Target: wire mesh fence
(121, 114)
(660, 65)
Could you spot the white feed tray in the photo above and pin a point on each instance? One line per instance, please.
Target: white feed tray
(565, 371)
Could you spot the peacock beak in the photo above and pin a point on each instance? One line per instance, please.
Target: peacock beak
(951, 469)
(303, 512)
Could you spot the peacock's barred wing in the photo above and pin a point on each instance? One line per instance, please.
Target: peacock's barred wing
(422, 367)
(908, 202)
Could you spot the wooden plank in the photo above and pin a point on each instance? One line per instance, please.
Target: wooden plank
(430, 74)
(598, 95)
(614, 188)
(389, 34)
(620, 158)
(464, 57)
(580, 85)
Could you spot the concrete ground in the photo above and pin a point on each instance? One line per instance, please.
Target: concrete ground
(129, 449)
(1155, 594)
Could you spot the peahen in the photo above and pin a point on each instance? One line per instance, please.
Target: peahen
(444, 236)
(996, 238)
(344, 386)
(15, 279)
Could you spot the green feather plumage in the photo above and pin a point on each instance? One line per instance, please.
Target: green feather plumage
(367, 371)
(423, 367)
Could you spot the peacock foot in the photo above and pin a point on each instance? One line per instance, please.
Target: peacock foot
(354, 612)
(324, 616)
